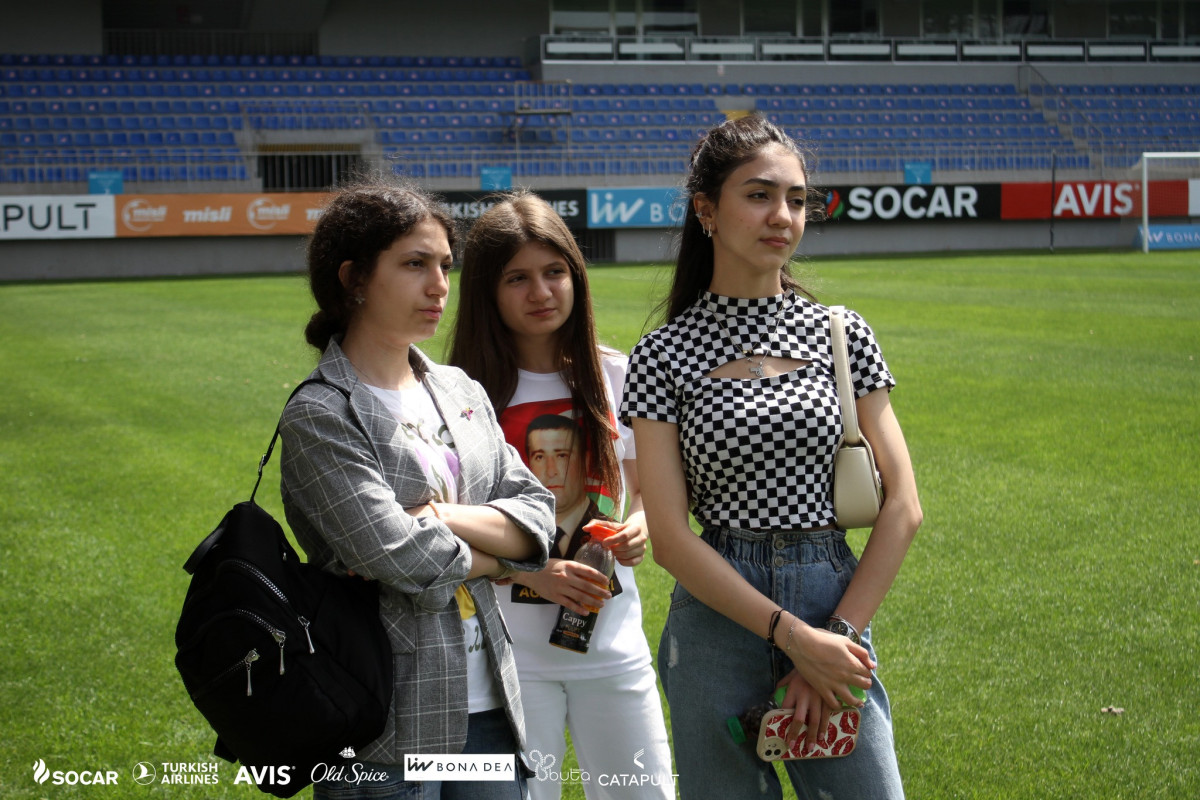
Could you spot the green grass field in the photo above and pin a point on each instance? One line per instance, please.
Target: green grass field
(1049, 404)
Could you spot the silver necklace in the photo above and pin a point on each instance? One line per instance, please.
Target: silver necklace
(748, 352)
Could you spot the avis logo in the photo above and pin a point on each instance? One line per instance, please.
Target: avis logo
(277, 776)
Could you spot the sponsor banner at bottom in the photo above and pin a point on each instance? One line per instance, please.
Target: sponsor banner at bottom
(479, 767)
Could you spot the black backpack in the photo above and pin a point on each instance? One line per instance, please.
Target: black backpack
(290, 664)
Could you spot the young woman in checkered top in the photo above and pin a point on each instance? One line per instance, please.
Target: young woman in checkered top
(734, 408)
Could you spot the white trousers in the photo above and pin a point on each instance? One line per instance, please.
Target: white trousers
(616, 728)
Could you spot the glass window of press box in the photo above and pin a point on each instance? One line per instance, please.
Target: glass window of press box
(625, 17)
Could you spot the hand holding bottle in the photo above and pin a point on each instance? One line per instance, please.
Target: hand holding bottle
(570, 584)
(573, 631)
(627, 540)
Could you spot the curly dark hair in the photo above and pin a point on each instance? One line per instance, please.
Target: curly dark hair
(361, 221)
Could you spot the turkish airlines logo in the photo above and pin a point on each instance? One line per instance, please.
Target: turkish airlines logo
(144, 773)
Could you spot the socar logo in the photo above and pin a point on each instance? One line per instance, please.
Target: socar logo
(40, 773)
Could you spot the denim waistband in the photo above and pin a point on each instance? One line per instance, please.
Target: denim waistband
(777, 547)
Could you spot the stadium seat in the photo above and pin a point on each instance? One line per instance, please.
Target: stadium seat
(134, 101)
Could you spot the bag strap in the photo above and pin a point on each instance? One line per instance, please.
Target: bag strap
(262, 462)
(202, 549)
(211, 540)
(841, 368)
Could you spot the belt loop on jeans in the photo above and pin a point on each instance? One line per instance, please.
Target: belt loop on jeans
(713, 534)
(836, 544)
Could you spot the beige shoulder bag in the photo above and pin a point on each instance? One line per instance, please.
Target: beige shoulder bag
(857, 490)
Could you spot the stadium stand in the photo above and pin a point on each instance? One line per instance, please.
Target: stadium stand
(173, 119)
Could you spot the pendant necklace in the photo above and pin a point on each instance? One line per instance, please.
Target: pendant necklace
(748, 352)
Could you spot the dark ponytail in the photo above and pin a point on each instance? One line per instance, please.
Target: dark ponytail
(721, 151)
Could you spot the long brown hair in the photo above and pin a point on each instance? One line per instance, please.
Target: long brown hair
(722, 150)
(483, 346)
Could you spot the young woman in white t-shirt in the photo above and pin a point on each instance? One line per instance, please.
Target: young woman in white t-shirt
(526, 332)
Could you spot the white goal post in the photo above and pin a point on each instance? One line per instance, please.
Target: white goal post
(1187, 168)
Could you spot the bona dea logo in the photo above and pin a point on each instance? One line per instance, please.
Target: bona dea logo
(41, 774)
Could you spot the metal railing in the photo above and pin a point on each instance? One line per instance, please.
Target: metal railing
(34, 172)
(768, 49)
(146, 41)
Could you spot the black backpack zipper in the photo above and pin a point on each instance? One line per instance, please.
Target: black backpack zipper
(242, 663)
(279, 635)
(258, 575)
(250, 658)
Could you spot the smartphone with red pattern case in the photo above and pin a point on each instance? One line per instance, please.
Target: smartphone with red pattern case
(839, 739)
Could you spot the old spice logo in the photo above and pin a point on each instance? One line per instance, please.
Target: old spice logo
(262, 213)
(206, 214)
(139, 215)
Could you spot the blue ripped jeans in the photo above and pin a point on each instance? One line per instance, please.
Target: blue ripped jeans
(712, 668)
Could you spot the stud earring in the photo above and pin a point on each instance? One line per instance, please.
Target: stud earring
(358, 299)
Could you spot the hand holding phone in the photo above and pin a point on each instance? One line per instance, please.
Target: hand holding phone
(839, 738)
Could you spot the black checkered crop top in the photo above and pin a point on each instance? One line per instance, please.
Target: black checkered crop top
(757, 453)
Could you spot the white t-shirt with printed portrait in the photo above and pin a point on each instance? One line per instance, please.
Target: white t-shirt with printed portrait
(618, 642)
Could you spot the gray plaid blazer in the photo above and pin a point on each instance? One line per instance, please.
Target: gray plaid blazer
(344, 496)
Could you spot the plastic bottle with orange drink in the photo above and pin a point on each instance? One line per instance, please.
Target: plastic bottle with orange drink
(573, 631)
